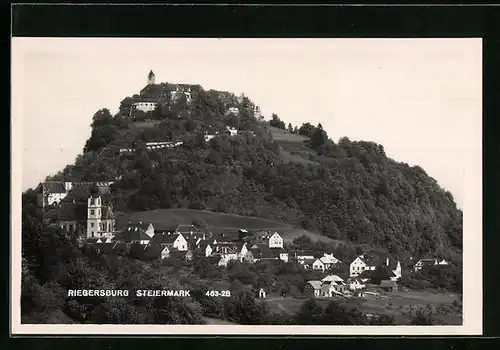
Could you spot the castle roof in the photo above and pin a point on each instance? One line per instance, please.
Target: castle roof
(150, 74)
(54, 187)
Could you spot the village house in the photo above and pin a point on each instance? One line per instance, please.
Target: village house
(172, 240)
(147, 252)
(147, 227)
(275, 241)
(92, 220)
(313, 288)
(427, 263)
(360, 264)
(133, 234)
(262, 293)
(203, 249)
(389, 286)
(318, 265)
(355, 284)
(186, 230)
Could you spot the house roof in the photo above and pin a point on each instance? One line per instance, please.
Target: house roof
(264, 252)
(112, 248)
(72, 212)
(368, 259)
(139, 224)
(186, 229)
(427, 261)
(355, 280)
(132, 234)
(164, 238)
(329, 259)
(300, 253)
(387, 283)
(54, 187)
(315, 284)
(334, 278)
(228, 236)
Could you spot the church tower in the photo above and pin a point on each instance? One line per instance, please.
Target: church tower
(94, 214)
(151, 78)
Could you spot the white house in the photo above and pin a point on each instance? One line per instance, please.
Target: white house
(333, 278)
(360, 264)
(284, 256)
(329, 260)
(262, 293)
(275, 241)
(318, 265)
(232, 131)
(443, 262)
(313, 288)
(355, 284)
(424, 262)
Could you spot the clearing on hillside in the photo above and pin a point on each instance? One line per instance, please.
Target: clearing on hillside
(219, 222)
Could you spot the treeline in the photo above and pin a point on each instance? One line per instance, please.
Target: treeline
(351, 191)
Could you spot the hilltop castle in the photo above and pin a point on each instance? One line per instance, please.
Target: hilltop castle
(154, 93)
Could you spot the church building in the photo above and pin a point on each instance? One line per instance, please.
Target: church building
(91, 220)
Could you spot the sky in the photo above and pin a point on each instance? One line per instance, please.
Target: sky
(420, 98)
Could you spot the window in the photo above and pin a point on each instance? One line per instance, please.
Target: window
(92, 212)
(92, 233)
(91, 224)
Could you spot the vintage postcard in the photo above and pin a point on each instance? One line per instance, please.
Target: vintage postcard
(246, 186)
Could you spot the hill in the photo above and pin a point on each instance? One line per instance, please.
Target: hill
(345, 190)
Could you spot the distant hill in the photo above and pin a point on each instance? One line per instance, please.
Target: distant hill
(272, 174)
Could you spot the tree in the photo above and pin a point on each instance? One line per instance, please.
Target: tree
(310, 313)
(306, 129)
(277, 122)
(290, 128)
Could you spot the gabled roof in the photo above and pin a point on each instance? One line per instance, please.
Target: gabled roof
(332, 278)
(227, 237)
(152, 252)
(72, 212)
(328, 260)
(368, 259)
(139, 224)
(164, 238)
(132, 234)
(186, 229)
(315, 284)
(300, 253)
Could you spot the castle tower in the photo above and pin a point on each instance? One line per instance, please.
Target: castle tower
(151, 78)
(94, 213)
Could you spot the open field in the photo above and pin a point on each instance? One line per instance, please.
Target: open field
(397, 304)
(219, 222)
(289, 157)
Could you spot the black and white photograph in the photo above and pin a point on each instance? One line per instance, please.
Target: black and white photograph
(246, 186)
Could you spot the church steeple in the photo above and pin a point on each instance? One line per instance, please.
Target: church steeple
(151, 78)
